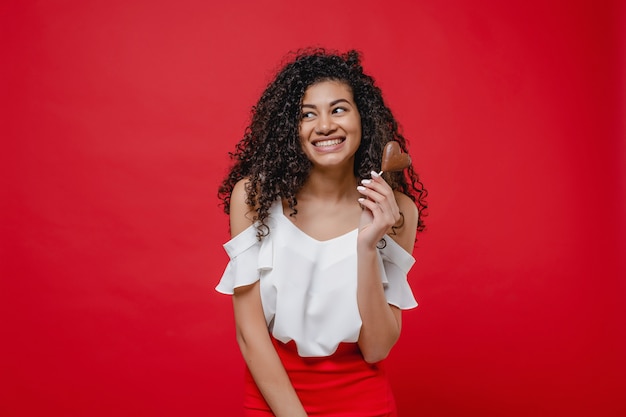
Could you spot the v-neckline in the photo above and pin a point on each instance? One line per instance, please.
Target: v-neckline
(284, 217)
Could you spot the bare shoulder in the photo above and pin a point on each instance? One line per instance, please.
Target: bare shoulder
(241, 214)
(405, 234)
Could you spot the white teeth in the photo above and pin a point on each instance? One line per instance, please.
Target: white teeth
(329, 142)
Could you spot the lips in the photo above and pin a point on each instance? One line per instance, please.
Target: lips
(327, 142)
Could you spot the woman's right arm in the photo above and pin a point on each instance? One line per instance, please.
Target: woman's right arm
(252, 334)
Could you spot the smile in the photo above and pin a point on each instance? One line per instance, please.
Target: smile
(328, 142)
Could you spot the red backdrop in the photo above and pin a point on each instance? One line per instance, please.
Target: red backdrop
(116, 122)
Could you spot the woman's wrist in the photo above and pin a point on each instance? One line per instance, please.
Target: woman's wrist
(366, 248)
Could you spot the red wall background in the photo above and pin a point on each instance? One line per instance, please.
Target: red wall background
(116, 120)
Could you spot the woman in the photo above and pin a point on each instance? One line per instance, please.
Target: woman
(321, 242)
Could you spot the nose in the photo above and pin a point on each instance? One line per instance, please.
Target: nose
(324, 125)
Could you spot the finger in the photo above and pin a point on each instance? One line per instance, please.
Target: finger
(378, 187)
(383, 197)
(377, 183)
(378, 179)
(377, 174)
(374, 208)
(382, 217)
(384, 208)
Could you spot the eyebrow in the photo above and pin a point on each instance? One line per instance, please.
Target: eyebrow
(332, 103)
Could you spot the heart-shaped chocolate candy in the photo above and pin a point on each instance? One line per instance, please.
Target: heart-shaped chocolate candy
(393, 158)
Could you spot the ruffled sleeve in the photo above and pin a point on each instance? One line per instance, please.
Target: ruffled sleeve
(396, 264)
(248, 258)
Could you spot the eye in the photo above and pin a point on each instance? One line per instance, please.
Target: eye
(339, 110)
(308, 114)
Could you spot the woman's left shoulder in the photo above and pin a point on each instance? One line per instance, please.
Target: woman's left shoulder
(404, 233)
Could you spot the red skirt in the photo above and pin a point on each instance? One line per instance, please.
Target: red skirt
(340, 385)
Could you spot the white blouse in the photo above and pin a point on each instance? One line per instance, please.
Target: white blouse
(309, 287)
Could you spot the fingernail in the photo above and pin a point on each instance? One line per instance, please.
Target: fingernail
(365, 181)
(375, 174)
(361, 200)
(361, 188)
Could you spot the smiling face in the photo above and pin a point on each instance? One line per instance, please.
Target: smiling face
(330, 128)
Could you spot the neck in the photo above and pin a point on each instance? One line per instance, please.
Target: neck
(331, 185)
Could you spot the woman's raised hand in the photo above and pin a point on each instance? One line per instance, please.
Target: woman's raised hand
(380, 210)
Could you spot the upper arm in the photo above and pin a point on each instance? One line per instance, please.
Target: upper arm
(241, 214)
(246, 299)
(405, 234)
(248, 309)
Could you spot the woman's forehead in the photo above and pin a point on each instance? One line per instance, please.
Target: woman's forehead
(327, 89)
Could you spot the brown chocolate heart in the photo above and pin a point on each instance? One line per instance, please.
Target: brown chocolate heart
(393, 158)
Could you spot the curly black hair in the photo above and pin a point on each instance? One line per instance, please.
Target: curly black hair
(270, 155)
